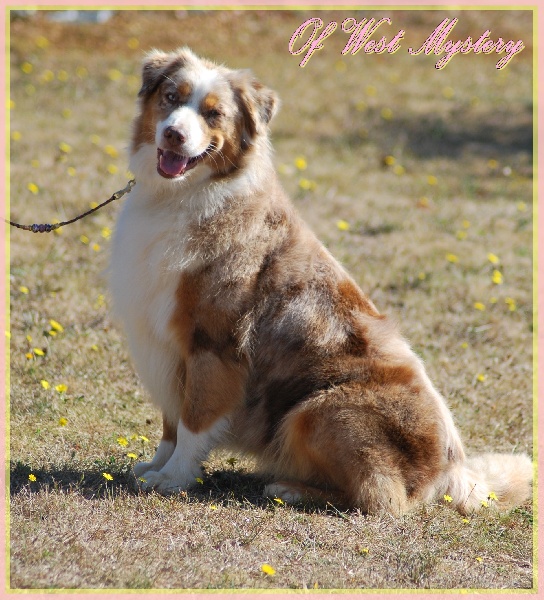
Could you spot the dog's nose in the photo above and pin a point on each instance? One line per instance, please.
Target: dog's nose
(174, 136)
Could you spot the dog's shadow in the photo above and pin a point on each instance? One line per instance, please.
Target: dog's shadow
(220, 487)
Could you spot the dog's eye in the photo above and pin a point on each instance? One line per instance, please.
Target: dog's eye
(172, 98)
(213, 114)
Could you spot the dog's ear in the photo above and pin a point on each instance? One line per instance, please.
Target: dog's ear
(156, 67)
(258, 104)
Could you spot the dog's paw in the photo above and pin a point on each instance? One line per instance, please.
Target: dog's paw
(163, 483)
(283, 491)
(143, 467)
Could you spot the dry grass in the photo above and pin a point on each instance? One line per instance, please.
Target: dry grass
(463, 140)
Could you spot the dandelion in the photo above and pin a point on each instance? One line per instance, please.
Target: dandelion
(23, 289)
(33, 188)
(481, 377)
(279, 501)
(143, 438)
(447, 498)
(29, 338)
(465, 520)
(452, 258)
(63, 422)
(38, 352)
(100, 301)
(432, 180)
(268, 570)
(72, 171)
(479, 559)
(342, 225)
(29, 355)
(492, 496)
(496, 278)
(112, 169)
(389, 160)
(32, 477)
(479, 306)
(386, 114)
(493, 300)
(115, 74)
(42, 42)
(213, 507)
(364, 551)
(62, 75)
(461, 235)
(306, 184)
(521, 206)
(35, 163)
(84, 239)
(45, 384)
(465, 224)
(94, 348)
(132, 455)
(56, 325)
(95, 139)
(66, 113)
(96, 247)
(370, 90)
(464, 345)
(82, 72)
(484, 503)
(106, 233)
(511, 304)
(27, 68)
(422, 276)
(93, 204)
(493, 258)
(47, 76)
(61, 388)
(133, 43)
(122, 441)
(399, 170)
(300, 163)
(107, 476)
(360, 106)
(64, 147)
(111, 151)
(16, 136)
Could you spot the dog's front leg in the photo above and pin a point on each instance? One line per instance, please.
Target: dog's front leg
(214, 387)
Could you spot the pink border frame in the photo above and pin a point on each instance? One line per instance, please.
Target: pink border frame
(538, 253)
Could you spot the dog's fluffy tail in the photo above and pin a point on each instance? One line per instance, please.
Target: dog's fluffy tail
(496, 480)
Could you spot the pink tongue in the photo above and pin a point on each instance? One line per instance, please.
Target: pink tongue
(172, 164)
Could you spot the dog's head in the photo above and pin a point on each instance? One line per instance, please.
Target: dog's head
(196, 114)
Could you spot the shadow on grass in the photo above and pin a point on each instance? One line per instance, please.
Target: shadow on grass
(221, 487)
(427, 136)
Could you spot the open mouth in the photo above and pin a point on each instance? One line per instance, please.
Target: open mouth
(171, 165)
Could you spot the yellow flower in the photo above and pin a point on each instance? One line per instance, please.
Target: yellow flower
(492, 163)
(62, 75)
(493, 300)
(122, 441)
(479, 306)
(38, 352)
(84, 239)
(492, 496)
(82, 72)
(132, 455)
(72, 171)
(111, 151)
(465, 224)
(464, 345)
(56, 326)
(452, 258)
(61, 388)
(399, 170)
(300, 163)
(107, 476)
(386, 114)
(493, 258)
(106, 232)
(342, 225)
(143, 438)
(23, 289)
(370, 90)
(279, 501)
(511, 304)
(306, 184)
(447, 498)
(479, 559)
(27, 68)
(112, 169)
(94, 347)
(213, 507)
(133, 43)
(47, 76)
(484, 503)
(389, 160)
(432, 180)
(422, 276)
(32, 477)
(96, 247)
(42, 42)
(33, 188)
(268, 570)
(63, 422)
(45, 384)
(521, 206)
(496, 278)
(481, 377)
(28, 355)
(16, 136)
(115, 74)
(461, 235)
(64, 147)
(66, 113)
(95, 139)
(364, 551)
(465, 520)
(29, 338)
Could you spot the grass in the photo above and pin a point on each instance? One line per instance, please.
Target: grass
(411, 176)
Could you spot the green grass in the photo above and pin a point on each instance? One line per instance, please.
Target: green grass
(462, 140)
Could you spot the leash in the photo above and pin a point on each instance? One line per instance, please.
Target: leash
(47, 227)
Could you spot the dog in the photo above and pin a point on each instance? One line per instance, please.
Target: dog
(248, 334)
